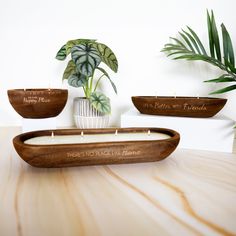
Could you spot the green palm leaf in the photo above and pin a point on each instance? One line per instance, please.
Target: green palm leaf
(227, 46)
(169, 48)
(222, 79)
(107, 55)
(210, 36)
(215, 36)
(198, 40)
(187, 41)
(179, 52)
(100, 102)
(231, 67)
(179, 43)
(192, 40)
(224, 90)
(86, 58)
(190, 47)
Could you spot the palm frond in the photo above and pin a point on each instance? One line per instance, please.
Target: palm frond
(198, 40)
(210, 36)
(187, 41)
(193, 41)
(189, 47)
(222, 79)
(215, 35)
(227, 46)
(178, 42)
(224, 90)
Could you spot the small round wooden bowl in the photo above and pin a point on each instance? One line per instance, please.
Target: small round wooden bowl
(38, 103)
(201, 107)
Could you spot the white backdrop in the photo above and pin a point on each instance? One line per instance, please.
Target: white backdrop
(31, 32)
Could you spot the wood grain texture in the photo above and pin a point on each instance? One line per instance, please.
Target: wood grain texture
(179, 106)
(189, 193)
(120, 152)
(38, 103)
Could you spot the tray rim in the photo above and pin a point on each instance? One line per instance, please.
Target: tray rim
(19, 139)
(179, 97)
(36, 89)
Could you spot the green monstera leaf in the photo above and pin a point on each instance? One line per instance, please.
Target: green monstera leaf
(65, 50)
(71, 43)
(86, 58)
(61, 54)
(70, 70)
(100, 102)
(77, 80)
(107, 56)
(106, 74)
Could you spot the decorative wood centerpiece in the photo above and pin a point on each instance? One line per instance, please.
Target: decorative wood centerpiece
(179, 106)
(38, 103)
(75, 147)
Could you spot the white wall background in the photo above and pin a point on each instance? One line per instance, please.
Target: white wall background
(31, 32)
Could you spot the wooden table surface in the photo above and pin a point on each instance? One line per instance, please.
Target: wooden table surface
(189, 193)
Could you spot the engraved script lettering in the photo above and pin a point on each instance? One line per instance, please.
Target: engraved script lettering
(185, 106)
(103, 153)
(161, 106)
(34, 100)
(43, 92)
(195, 108)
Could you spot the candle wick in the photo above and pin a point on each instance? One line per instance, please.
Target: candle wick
(149, 132)
(116, 132)
(49, 86)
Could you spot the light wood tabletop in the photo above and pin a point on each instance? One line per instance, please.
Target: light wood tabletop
(189, 193)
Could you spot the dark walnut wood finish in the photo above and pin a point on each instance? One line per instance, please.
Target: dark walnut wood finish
(179, 106)
(101, 153)
(38, 103)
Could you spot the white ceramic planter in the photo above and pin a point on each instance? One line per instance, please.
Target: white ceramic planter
(86, 116)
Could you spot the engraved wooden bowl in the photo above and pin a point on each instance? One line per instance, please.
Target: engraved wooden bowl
(100, 153)
(38, 103)
(179, 106)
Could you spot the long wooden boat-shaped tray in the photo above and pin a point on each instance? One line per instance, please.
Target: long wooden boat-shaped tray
(201, 107)
(96, 153)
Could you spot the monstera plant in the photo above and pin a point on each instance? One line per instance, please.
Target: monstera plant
(84, 69)
(188, 46)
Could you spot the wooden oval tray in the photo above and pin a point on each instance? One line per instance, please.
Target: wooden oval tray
(98, 153)
(179, 106)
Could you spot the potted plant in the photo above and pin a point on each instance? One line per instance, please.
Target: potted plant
(84, 71)
(190, 47)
